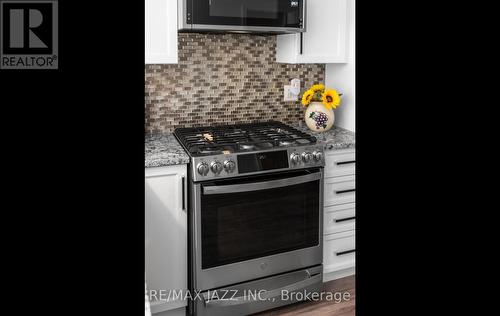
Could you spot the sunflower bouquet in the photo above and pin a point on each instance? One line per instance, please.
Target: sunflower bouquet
(329, 97)
(320, 103)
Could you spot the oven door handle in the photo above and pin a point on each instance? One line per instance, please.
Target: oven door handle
(248, 187)
(307, 280)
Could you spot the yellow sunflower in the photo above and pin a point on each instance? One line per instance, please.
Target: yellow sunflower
(306, 97)
(331, 99)
(318, 87)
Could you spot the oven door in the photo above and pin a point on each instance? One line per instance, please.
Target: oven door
(257, 226)
(245, 15)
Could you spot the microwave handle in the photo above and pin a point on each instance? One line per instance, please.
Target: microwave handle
(256, 186)
(308, 280)
(301, 43)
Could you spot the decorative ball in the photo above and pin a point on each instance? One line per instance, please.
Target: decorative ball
(318, 118)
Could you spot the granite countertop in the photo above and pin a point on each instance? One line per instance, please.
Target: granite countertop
(334, 139)
(163, 150)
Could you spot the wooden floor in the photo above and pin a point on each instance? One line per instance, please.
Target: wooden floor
(320, 308)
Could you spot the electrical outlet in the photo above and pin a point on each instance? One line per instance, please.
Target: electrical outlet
(295, 86)
(288, 93)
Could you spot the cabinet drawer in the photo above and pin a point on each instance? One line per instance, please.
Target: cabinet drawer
(341, 163)
(339, 190)
(339, 218)
(339, 251)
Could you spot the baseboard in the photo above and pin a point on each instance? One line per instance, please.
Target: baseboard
(338, 274)
(173, 312)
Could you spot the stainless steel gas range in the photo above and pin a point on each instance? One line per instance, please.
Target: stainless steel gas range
(255, 216)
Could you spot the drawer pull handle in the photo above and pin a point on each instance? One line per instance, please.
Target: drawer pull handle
(345, 191)
(344, 219)
(345, 162)
(340, 253)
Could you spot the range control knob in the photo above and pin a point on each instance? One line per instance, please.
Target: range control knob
(318, 155)
(202, 168)
(216, 167)
(294, 158)
(307, 156)
(229, 166)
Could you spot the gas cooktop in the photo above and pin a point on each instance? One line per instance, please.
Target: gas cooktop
(203, 141)
(233, 150)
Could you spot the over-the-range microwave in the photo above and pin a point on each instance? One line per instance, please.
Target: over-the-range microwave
(242, 16)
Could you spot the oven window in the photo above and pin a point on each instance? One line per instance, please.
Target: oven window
(246, 225)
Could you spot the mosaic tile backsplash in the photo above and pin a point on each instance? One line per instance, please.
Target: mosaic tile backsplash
(223, 79)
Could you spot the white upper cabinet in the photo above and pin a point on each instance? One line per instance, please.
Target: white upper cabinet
(161, 32)
(325, 39)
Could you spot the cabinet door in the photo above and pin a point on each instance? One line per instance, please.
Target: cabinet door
(339, 251)
(161, 32)
(340, 190)
(339, 218)
(166, 235)
(325, 39)
(340, 163)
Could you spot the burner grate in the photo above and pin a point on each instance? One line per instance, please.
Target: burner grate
(200, 141)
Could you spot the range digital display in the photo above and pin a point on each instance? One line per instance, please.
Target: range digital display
(262, 161)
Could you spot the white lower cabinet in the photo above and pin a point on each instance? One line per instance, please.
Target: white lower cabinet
(339, 251)
(340, 190)
(340, 164)
(339, 218)
(166, 236)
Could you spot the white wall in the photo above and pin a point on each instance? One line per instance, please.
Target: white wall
(341, 77)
